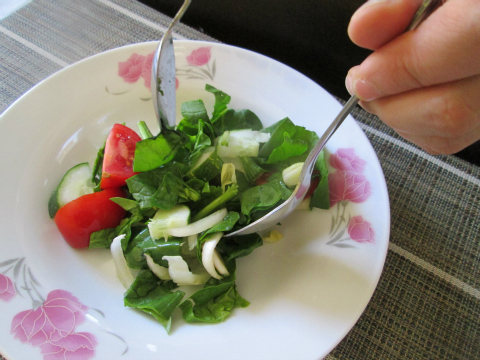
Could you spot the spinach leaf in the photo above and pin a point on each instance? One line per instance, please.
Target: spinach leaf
(288, 143)
(264, 196)
(192, 112)
(97, 167)
(153, 296)
(221, 101)
(173, 190)
(216, 301)
(251, 168)
(103, 238)
(157, 151)
(134, 254)
(224, 119)
(234, 247)
(144, 185)
(236, 120)
(162, 248)
(203, 138)
(321, 196)
(290, 147)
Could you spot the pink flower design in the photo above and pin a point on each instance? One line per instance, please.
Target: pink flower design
(52, 327)
(79, 346)
(7, 289)
(132, 69)
(361, 230)
(199, 57)
(345, 159)
(147, 70)
(345, 185)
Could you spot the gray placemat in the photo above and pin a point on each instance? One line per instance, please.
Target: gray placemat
(427, 303)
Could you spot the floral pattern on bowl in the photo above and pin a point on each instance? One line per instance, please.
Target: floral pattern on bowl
(347, 185)
(51, 324)
(200, 65)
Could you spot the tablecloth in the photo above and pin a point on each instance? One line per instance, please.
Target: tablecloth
(427, 303)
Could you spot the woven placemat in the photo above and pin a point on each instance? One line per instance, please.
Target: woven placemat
(427, 303)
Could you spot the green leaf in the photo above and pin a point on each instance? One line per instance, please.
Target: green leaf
(134, 253)
(290, 147)
(97, 167)
(234, 247)
(284, 146)
(157, 151)
(193, 111)
(221, 101)
(162, 248)
(154, 297)
(127, 204)
(321, 196)
(251, 168)
(103, 238)
(224, 119)
(215, 302)
(145, 185)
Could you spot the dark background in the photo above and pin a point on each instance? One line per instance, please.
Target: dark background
(308, 35)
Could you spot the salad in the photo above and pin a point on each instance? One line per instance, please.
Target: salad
(162, 204)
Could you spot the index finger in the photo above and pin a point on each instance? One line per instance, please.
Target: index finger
(444, 48)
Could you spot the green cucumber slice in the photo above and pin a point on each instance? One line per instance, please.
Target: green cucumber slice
(164, 220)
(76, 182)
(208, 166)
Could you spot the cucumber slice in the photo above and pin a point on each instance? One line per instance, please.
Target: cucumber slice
(76, 182)
(164, 220)
(208, 166)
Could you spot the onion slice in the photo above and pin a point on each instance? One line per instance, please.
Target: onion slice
(180, 274)
(160, 271)
(219, 264)
(208, 252)
(123, 271)
(200, 225)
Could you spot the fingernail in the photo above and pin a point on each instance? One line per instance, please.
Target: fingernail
(361, 88)
(365, 90)
(349, 84)
(372, 2)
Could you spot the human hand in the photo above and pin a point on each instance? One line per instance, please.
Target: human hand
(424, 83)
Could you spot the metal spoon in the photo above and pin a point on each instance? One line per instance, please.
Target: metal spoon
(163, 76)
(283, 210)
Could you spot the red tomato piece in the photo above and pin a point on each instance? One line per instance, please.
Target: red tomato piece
(89, 213)
(118, 158)
(313, 186)
(263, 179)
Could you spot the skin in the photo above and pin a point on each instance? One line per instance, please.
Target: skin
(425, 83)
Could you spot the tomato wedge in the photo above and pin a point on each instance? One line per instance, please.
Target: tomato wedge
(89, 213)
(118, 158)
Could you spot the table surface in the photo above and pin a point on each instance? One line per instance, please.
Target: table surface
(427, 303)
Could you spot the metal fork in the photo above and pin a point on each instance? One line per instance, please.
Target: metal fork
(163, 75)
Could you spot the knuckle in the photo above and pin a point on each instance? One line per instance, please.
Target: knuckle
(411, 69)
(453, 116)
